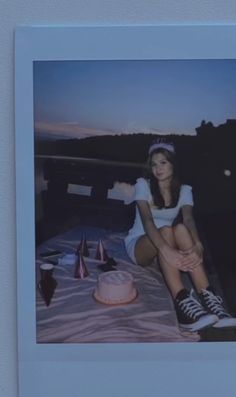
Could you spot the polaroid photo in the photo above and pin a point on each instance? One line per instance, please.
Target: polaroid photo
(126, 199)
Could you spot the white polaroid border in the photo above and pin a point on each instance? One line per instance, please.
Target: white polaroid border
(84, 364)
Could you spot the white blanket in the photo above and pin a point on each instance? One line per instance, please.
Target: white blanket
(74, 316)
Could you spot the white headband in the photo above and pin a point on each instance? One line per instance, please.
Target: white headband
(161, 145)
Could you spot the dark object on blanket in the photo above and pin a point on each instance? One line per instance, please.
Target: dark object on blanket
(53, 262)
(47, 284)
(108, 266)
(81, 270)
(111, 262)
(49, 254)
(83, 247)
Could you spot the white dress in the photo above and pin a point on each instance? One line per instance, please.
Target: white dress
(161, 217)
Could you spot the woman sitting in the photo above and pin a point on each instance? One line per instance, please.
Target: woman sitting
(159, 199)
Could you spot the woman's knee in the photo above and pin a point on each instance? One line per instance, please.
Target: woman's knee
(182, 236)
(180, 228)
(166, 231)
(168, 235)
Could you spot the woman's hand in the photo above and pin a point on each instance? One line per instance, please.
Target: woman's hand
(198, 247)
(178, 259)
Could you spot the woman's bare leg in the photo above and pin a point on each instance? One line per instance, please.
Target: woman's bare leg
(184, 242)
(145, 252)
(171, 274)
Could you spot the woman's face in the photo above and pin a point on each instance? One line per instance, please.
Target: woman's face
(162, 169)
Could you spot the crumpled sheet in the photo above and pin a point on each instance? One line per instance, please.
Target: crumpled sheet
(74, 316)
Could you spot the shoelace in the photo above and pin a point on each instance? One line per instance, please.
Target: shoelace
(191, 306)
(214, 303)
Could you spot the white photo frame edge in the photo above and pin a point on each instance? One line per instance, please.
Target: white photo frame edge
(95, 43)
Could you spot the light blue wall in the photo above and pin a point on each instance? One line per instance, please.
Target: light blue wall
(216, 377)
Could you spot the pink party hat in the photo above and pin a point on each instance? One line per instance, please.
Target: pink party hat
(80, 268)
(101, 253)
(83, 247)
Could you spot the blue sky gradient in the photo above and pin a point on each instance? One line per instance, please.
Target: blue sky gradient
(82, 97)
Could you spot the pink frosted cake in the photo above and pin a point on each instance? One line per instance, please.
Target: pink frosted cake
(115, 287)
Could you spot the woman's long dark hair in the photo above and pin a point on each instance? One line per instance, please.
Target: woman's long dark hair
(174, 184)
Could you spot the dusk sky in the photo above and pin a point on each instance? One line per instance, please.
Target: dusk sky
(83, 98)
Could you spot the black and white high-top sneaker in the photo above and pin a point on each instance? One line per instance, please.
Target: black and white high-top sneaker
(190, 313)
(214, 305)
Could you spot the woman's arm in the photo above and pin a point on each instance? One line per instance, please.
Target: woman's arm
(189, 222)
(170, 254)
(149, 226)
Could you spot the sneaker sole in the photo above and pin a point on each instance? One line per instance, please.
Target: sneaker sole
(225, 323)
(203, 322)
